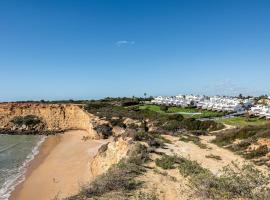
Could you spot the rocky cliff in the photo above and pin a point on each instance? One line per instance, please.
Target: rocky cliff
(57, 117)
(110, 154)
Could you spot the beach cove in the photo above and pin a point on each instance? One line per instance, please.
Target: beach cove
(62, 165)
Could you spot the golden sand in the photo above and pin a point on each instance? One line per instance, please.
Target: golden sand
(61, 167)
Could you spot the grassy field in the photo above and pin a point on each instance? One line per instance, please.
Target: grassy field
(187, 112)
(243, 121)
(151, 107)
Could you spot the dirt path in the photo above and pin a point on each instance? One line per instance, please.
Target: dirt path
(170, 184)
(194, 152)
(166, 184)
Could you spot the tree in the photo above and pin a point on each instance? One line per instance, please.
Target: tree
(192, 103)
(145, 94)
(164, 108)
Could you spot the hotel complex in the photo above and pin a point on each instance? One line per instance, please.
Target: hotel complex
(216, 103)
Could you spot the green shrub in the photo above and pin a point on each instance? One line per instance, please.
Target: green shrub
(233, 183)
(166, 162)
(119, 178)
(146, 196)
(190, 168)
(104, 130)
(191, 138)
(117, 122)
(173, 125)
(242, 133)
(177, 117)
(241, 146)
(154, 140)
(260, 151)
(215, 157)
(248, 136)
(26, 120)
(164, 108)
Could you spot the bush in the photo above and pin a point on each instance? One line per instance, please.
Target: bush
(233, 183)
(177, 117)
(119, 178)
(153, 140)
(213, 157)
(117, 122)
(130, 102)
(260, 151)
(26, 120)
(248, 136)
(164, 108)
(166, 162)
(247, 132)
(104, 130)
(173, 125)
(190, 168)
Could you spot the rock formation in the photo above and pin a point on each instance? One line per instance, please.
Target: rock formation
(110, 154)
(57, 117)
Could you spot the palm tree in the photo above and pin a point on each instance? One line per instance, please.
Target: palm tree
(145, 94)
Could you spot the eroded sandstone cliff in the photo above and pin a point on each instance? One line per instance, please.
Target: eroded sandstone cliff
(57, 117)
(110, 154)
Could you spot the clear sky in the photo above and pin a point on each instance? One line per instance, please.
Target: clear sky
(62, 49)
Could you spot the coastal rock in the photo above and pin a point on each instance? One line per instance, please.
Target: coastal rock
(56, 117)
(104, 131)
(110, 154)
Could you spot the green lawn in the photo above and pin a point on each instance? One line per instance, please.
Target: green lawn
(151, 107)
(242, 121)
(184, 111)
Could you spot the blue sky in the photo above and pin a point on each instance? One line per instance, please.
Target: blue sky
(64, 49)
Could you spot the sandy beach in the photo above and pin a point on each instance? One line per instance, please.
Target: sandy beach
(61, 167)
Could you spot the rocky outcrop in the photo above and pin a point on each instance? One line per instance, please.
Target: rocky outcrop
(110, 154)
(56, 117)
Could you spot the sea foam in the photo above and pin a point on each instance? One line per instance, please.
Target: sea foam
(17, 175)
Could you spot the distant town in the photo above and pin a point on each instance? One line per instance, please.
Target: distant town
(257, 106)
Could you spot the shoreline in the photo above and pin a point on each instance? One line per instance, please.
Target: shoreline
(11, 183)
(60, 168)
(48, 144)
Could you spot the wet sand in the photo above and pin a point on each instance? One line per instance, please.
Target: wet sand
(61, 167)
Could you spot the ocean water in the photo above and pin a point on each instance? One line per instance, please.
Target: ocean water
(16, 151)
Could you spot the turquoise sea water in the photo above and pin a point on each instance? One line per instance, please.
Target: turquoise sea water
(16, 151)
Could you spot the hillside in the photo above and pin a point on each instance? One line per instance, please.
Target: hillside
(154, 155)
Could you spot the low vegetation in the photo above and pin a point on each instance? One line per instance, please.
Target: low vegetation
(150, 123)
(232, 183)
(166, 162)
(103, 130)
(244, 121)
(248, 134)
(192, 138)
(187, 112)
(119, 178)
(240, 140)
(116, 114)
(151, 138)
(258, 152)
(26, 120)
(212, 156)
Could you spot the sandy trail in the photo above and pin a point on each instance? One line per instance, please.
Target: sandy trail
(178, 187)
(194, 152)
(62, 170)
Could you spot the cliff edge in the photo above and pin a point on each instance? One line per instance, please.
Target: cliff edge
(55, 117)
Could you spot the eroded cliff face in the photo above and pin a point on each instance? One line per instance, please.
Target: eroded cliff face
(110, 154)
(57, 117)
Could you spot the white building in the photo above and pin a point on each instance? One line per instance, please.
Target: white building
(261, 110)
(215, 103)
